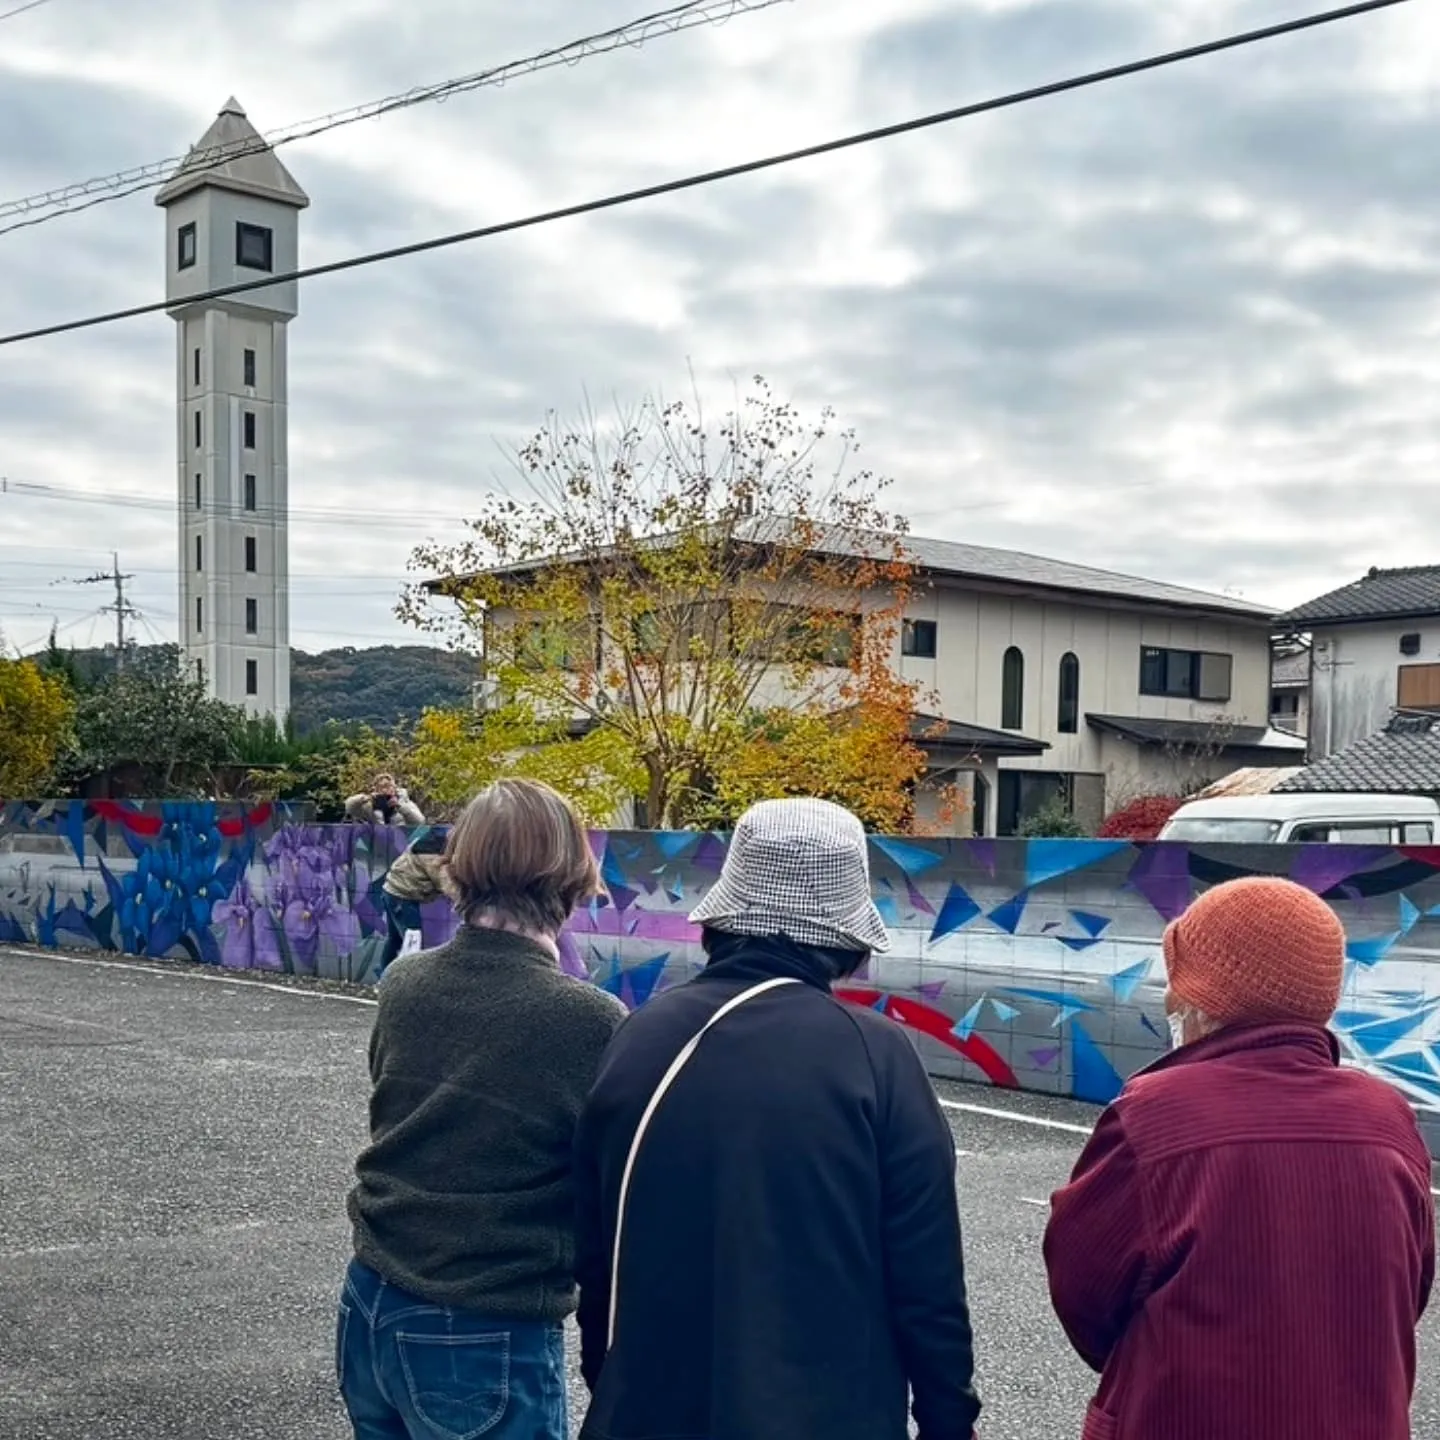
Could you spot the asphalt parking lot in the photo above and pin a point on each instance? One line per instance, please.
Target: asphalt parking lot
(176, 1153)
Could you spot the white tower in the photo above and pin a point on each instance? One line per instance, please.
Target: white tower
(233, 215)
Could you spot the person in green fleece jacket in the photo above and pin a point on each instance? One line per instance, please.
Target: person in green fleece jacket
(450, 1320)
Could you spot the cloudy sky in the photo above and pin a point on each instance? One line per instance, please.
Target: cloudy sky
(1183, 326)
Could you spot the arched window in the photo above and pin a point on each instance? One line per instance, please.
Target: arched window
(1012, 691)
(1068, 721)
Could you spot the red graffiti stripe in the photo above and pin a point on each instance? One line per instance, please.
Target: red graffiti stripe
(939, 1026)
(237, 824)
(136, 820)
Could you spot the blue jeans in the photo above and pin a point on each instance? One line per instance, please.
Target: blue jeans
(409, 1370)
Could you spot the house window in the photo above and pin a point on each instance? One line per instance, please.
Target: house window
(250, 554)
(197, 365)
(252, 677)
(199, 552)
(254, 247)
(1419, 687)
(249, 492)
(250, 367)
(1068, 719)
(249, 429)
(1285, 705)
(199, 613)
(252, 617)
(1012, 690)
(199, 499)
(187, 247)
(199, 433)
(917, 638)
(1185, 674)
(1410, 643)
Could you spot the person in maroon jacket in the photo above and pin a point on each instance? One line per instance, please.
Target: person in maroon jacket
(1247, 1244)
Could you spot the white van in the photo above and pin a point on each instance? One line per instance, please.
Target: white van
(1302, 819)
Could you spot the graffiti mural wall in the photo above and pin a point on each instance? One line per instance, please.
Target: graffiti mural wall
(1032, 964)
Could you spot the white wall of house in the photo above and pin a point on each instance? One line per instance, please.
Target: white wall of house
(1290, 709)
(974, 630)
(1355, 678)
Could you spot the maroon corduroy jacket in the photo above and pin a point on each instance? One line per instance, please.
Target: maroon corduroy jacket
(1246, 1247)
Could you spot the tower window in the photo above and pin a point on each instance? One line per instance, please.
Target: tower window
(250, 565)
(254, 247)
(199, 613)
(252, 617)
(249, 429)
(199, 672)
(199, 501)
(249, 366)
(252, 677)
(199, 431)
(199, 552)
(249, 492)
(197, 365)
(187, 247)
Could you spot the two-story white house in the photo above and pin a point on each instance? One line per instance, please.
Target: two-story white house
(1375, 649)
(1046, 681)
(1132, 687)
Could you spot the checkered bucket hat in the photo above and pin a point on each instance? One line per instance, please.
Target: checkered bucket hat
(799, 868)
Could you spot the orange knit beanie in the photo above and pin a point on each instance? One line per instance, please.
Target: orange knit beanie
(1256, 950)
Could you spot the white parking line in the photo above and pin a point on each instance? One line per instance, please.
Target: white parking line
(168, 973)
(1030, 1200)
(1039, 1120)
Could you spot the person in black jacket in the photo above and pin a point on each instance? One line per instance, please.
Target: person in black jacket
(778, 1256)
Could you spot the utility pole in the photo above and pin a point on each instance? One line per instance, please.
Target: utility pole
(120, 607)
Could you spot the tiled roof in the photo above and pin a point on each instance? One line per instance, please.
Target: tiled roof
(1246, 781)
(1380, 595)
(1015, 567)
(960, 734)
(981, 562)
(233, 155)
(1197, 734)
(1403, 759)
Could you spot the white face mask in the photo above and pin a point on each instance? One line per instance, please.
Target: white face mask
(1177, 1028)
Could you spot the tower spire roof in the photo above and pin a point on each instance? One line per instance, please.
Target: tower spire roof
(233, 155)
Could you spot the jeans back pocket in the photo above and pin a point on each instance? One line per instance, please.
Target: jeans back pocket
(459, 1385)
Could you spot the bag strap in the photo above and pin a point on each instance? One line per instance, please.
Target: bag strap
(666, 1081)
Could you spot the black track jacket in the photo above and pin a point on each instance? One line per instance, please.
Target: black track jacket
(791, 1253)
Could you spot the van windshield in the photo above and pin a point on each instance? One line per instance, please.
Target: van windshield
(1220, 830)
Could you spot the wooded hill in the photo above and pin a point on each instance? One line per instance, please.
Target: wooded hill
(379, 686)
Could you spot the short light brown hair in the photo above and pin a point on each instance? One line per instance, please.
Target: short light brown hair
(520, 853)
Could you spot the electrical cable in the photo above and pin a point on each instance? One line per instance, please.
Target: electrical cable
(86, 194)
(728, 172)
(22, 9)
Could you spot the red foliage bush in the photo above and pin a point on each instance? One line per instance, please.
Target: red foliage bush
(1141, 819)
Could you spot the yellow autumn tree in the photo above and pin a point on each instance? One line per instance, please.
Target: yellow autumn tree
(35, 726)
(707, 605)
(454, 754)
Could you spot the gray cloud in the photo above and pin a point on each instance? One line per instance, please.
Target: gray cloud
(1178, 325)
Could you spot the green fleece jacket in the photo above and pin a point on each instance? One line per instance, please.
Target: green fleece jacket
(482, 1054)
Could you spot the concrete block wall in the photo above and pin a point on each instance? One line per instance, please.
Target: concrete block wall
(1031, 964)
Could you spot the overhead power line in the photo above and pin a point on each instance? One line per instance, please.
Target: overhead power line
(21, 9)
(85, 194)
(728, 172)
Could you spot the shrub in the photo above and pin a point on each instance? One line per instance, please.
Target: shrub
(1141, 819)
